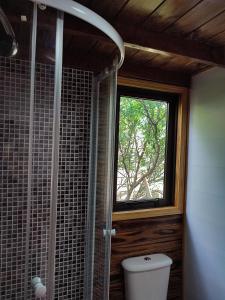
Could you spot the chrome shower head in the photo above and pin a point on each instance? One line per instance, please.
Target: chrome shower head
(8, 43)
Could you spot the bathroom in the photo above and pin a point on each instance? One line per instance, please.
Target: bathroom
(112, 142)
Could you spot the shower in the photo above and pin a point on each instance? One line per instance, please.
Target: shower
(56, 146)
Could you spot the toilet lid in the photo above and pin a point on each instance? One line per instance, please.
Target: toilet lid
(146, 262)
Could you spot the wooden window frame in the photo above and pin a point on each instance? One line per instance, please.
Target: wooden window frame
(172, 101)
(181, 145)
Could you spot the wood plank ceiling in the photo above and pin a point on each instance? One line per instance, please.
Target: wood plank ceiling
(178, 38)
(197, 23)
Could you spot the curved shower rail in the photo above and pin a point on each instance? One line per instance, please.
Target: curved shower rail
(73, 8)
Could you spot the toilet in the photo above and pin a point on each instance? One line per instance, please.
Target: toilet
(147, 277)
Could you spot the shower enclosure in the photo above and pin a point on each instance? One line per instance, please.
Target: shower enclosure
(56, 148)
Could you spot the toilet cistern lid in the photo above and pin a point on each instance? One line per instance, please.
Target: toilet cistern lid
(146, 262)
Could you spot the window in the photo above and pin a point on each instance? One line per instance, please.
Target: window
(146, 149)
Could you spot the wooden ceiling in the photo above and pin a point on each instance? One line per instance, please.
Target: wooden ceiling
(166, 40)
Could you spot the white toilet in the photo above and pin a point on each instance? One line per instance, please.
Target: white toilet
(147, 277)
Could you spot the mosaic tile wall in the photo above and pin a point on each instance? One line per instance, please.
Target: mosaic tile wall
(14, 137)
(41, 175)
(99, 280)
(73, 184)
(73, 178)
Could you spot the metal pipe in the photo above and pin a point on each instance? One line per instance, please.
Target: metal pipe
(30, 151)
(55, 155)
(91, 214)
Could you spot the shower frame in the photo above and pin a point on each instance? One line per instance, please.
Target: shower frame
(81, 12)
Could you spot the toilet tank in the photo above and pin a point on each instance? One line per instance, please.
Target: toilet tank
(147, 277)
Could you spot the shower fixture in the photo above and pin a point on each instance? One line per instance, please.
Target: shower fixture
(39, 288)
(59, 124)
(8, 43)
(42, 6)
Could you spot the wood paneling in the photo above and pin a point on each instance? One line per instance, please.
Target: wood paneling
(108, 9)
(156, 74)
(219, 38)
(154, 25)
(172, 45)
(143, 57)
(211, 29)
(202, 13)
(147, 236)
(135, 12)
(168, 13)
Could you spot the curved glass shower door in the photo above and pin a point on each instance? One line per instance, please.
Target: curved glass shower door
(101, 185)
(45, 110)
(15, 85)
(26, 143)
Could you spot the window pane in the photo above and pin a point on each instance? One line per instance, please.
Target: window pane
(141, 149)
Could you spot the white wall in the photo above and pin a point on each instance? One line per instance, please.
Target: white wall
(204, 275)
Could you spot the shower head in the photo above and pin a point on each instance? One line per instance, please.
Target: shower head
(8, 43)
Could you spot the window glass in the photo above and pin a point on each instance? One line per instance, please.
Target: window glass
(143, 151)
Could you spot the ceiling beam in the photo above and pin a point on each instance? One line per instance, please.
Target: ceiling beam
(170, 44)
(155, 42)
(96, 64)
(134, 37)
(155, 74)
(159, 43)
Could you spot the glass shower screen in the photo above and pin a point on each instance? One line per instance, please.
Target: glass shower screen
(101, 185)
(52, 159)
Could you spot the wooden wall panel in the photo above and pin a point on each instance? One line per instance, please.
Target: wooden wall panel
(147, 236)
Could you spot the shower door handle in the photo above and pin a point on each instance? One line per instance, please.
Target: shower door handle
(111, 232)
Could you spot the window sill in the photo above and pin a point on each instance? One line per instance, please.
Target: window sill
(146, 213)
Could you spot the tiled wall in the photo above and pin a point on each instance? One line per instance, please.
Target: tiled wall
(14, 137)
(99, 279)
(73, 184)
(73, 178)
(41, 175)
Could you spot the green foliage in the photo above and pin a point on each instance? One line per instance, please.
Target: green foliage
(142, 139)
